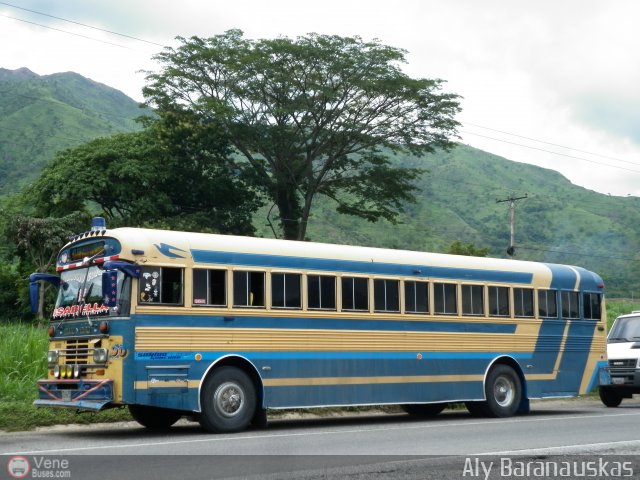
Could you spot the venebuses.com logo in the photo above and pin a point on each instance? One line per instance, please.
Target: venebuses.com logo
(18, 467)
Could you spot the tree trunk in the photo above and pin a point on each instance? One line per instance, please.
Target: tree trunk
(290, 213)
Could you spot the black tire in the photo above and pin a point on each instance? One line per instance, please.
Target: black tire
(503, 391)
(609, 397)
(154, 418)
(424, 409)
(228, 401)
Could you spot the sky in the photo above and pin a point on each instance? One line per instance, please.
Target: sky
(553, 83)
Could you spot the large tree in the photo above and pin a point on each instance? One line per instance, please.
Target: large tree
(148, 178)
(314, 115)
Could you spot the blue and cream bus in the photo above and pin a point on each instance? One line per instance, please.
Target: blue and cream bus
(222, 328)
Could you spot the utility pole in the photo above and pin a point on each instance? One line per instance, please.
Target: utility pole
(512, 222)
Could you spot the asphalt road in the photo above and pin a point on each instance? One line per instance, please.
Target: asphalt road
(452, 445)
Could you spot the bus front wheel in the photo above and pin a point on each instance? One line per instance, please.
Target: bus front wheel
(228, 401)
(154, 418)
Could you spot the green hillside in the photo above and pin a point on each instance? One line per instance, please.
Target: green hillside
(41, 115)
(558, 222)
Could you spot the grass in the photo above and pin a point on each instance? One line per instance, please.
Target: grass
(23, 362)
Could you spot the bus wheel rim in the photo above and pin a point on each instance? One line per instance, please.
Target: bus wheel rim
(504, 391)
(228, 399)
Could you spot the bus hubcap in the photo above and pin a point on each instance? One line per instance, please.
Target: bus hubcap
(504, 391)
(228, 399)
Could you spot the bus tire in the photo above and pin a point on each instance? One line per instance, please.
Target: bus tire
(609, 397)
(503, 391)
(154, 418)
(424, 409)
(228, 401)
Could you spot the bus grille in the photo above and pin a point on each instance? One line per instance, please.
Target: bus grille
(77, 352)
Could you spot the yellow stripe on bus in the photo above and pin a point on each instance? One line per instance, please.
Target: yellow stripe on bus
(180, 339)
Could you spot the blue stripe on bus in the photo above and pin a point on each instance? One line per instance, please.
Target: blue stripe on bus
(231, 321)
(351, 266)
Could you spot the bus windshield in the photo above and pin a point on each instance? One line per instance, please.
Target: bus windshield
(80, 294)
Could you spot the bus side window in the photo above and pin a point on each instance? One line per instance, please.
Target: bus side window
(321, 292)
(248, 289)
(285, 290)
(445, 298)
(209, 287)
(355, 293)
(523, 302)
(472, 300)
(499, 302)
(548, 303)
(570, 305)
(386, 295)
(416, 297)
(162, 285)
(592, 306)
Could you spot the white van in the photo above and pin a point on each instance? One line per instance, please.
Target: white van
(623, 351)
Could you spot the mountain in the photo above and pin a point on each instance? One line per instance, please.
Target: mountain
(42, 115)
(558, 222)
(457, 199)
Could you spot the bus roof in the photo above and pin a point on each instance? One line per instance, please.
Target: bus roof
(215, 249)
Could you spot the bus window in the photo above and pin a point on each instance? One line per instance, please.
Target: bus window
(321, 290)
(523, 302)
(416, 297)
(570, 305)
(210, 287)
(161, 285)
(355, 293)
(472, 300)
(592, 305)
(248, 289)
(548, 303)
(285, 290)
(499, 302)
(445, 298)
(386, 295)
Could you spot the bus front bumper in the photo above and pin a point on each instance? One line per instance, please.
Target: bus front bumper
(78, 394)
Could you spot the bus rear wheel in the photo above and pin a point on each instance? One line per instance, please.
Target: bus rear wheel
(154, 418)
(424, 409)
(228, 401)
(503, 393)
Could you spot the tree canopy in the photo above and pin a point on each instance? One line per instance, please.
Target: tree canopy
(309, 116)
(148, 178)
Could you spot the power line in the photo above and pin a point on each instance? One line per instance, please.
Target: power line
(548, 143)
(64, 31)
(554, 153)
(83, 25)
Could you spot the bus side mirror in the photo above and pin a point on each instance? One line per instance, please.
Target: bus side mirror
(110, 288)
(34, 287)
(34, 295)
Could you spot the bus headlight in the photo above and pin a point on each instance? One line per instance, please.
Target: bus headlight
(52, 356)
(56, 371)
(100, 355)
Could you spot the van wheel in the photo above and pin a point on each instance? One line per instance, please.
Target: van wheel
(228, 401)
(503, 391)
(154, 418)
(609, 397)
